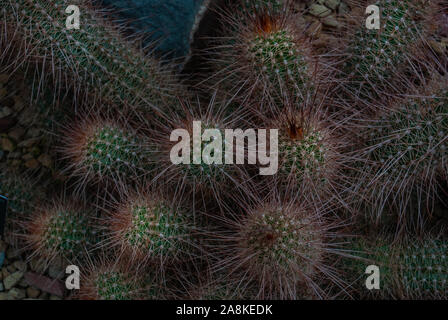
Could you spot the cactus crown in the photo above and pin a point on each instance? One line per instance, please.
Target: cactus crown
(275, 238)
(275, 54)
(66, 232)
(302, 151)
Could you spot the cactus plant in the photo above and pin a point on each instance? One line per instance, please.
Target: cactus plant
(266, 57)
(104, 150)
(149, 228)
(62, 230)
(95, 60)
(312, 153)
(379, 60)
(406, 150)
(409, 268)
(107, 280)
(284, 246)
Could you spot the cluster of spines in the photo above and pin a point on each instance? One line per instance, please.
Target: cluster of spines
(104, 150)
(282, 247)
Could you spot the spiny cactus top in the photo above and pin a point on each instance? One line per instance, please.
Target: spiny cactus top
(104, 150)
(376, 55)
(110, 281)
(268, 57)
(94, 58)
(60, 231)
(282, 248)
(114, 286)
(303, 154)
(147, 228)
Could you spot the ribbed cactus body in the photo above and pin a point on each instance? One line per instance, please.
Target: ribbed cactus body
(148, 228)
(94, 60)
(62, 230)
(407, 150)
(411, 269)
(377, 57)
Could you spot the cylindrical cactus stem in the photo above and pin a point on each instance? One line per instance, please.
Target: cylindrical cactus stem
(61, 230)
(406, 150)
(379, 62)
(411, 268)
(96, 61)
(267, 57)
(105, 150)
(284, 246)
(148, 228)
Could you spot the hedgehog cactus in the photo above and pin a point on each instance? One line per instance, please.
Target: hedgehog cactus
(148, 229)
(410, 269)
(406, 149)
(378, 57)
(269, 58)
(282, 246)
(104, 150)
(94, 60)
(311, 155)
(62, 230)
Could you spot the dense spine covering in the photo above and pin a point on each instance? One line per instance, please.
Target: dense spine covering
(283, 246)
(105, 150)
(95, 60)
(409, 269)
(406, 150)
(263, 56)
(60, 231)
(150, 229)
(108, 280)
(378, 59)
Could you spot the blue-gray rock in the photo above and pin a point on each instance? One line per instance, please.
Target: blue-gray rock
(169, 21)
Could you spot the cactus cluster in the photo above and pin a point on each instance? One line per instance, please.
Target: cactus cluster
(140, 226)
